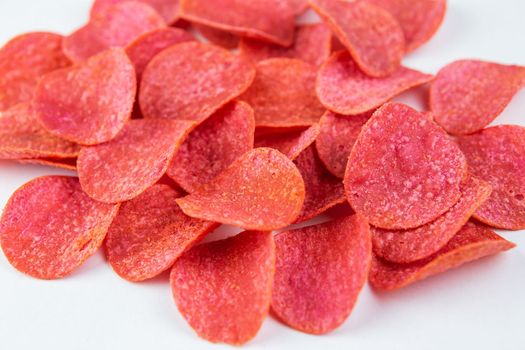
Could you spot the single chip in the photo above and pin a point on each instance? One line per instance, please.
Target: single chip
(25, 59)
(406, 246)
(467, 95)
(283, 94)
(168, 9)
(289, 143)
(312, 44)
(343, 88)
(373, 36)
(61, 163)
(472, 242)
(319, 273)
(497, 155)
(218, 37)
(213, 146)
(50, 227)
(262, 190)
(404, 171)
(224, 288)
(123, 168)
(191, 81)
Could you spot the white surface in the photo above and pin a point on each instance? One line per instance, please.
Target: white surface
(479, 306)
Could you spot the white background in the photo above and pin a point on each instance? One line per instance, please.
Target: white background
(479, 306)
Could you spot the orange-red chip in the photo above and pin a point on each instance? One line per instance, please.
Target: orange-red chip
(289, 143)
(223, 289)
(218, 37)
(61, 163)
(168, 9)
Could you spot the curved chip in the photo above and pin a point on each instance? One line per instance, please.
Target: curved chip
(123, 168)
(373, 36)
(168, 9)
(218, 37)
(403, 171)
(213, 146)
(320, 271)
(283, 94)
(290, 143)
(467, 95)
(50, 227)
(223, 289)
(472, 242)
(262, 190)
(150, 232)
(344, 89)
(497, 155)
(61, 163)
(23, 60)
(191, 81)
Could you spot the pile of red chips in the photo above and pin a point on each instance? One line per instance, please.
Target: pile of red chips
(172, 137)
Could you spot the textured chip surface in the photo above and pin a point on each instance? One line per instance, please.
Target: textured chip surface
(289, 143)
(218, 37)
(62, 163)
(168, 9)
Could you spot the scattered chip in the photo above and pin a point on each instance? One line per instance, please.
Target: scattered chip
(218, 37)
(61, 163)
(168, 9)
(289, 143)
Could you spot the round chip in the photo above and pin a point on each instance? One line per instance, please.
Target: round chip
(218, 37)
(50, 227)
(191, 81)
(61, 163)
(262, 190)
(168, 9)
(223, 289)
(403, 171)
(123, 168)
(319, 273)
(290, 143)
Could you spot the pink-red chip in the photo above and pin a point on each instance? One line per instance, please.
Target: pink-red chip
(319, 273)
(89, 103)
(406, 246)
(343, 88)
(213, 146)
(50, 227)
(224, 288)
(191, 81)
(137, 158)
(296, 6)
(262, 190)
(218, 37)
(283, 94)
(168, 9)
(61, 163)
(497, 155)
(150, 232)
(289, 143)
(23, 60)
(312, 44)
(373, 36)
(404, 171)
(472, 242)
(467, 95)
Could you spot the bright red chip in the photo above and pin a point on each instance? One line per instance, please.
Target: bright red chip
(89, 103)
(296, 6)
(61, 163)
(168, 9)
(213, 146)
(262, 190)
(373, 36)
(467, 95)
(406, 246)
(343, 88)
(23, 60)
(191, 81)
(319, 273)
(218, 37)
(50, 227)
(150, 232)
(472, 242)
(123, 168)
(223, 289)
(283, 94)
(404, 171)
(289, 143)
(497, 155)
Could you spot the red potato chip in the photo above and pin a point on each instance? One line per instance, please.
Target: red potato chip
(262, 190)
(150, 232)
(319, 273)
(472, 242)
(218, 37)
(467, 95)
(406, 246)
(168, 9)
(372, 35)
(50, 227)
(344, 89)
(290, 143)
(213, 146)
(137, 158)
(497, 155)
(404, 171)
(191, 81)
(312, 44)
(283, 94)
(223, 288)
(62, 163)
(23, 60)
(89, 103)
